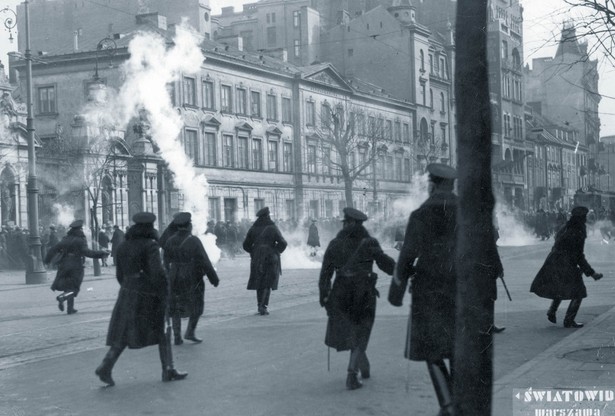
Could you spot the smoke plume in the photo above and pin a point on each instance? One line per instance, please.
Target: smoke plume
(152, 66)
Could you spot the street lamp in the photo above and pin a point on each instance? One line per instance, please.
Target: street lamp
(109, 47)
(35, 271)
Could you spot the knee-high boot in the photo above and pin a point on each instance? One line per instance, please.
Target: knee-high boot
(553, 310)
(192, 322)
(169, 373)
(441, 381)
(103, 371)
(70, 302)
(364, 366)
(571, 314)
(177, 329)
(352, 381)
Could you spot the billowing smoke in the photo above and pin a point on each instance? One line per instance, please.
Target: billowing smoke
(297, 253)
(63, 214)
(151, 68)
(511, 229)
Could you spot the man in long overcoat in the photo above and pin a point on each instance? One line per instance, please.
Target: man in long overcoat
(313, 240)
(138, 317)
(561, 276)
(265, 243)
(116, 239)
(73, 249)
(351, 301)
(187, 262)
(430, 240)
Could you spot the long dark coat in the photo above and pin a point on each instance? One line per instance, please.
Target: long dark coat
(187, 262)
(351, 303)
(116, 239)
(138, 316)
(430, 240)
(70, 268)
(561, 276)
(313, 237)
(265, 243)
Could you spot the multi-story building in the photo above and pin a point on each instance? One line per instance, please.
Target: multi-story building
(506, 86)
(418, 69)
(13, 156)
(255, 126)
(565, 89)
(288, 29)
(555, 163)
(56, 24)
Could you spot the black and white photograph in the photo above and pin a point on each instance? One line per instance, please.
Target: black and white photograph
(307, 207)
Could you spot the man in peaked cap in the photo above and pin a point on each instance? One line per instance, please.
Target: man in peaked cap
(427, 258)
(142, 289)
(265, 243)
(69, 255)
(187, 262)
(351, 300)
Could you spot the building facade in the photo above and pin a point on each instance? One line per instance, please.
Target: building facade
(506, 85)
(257, 127)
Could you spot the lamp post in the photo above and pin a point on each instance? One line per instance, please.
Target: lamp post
(35, 271)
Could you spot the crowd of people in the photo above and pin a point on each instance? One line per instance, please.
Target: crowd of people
(170, 286)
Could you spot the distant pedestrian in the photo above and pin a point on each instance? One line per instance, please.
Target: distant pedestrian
(187, 262)
(116, 239)
(430, 241)
(71, 252)
(561, 276)
(351, 300)
(265, 243)
(313, 240)
(138, 317)
(103, 242)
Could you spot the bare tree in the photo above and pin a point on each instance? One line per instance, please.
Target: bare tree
(86, 159)
(349, 142)
(596, 22)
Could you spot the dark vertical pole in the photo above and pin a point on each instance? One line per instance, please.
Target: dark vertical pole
(35, 272)
(473, 362)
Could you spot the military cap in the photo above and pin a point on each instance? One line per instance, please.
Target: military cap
(262, 212)
(442, 171)
(182, 218)
(143, 218)
(76, 224)
(354, 214)
(579, 211)
(52, 227)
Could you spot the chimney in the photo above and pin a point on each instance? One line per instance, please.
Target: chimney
(228, 10)
(153, 19)
(75, 41)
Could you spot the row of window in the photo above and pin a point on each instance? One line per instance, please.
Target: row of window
(394, 167)
(243, 152)
(431, 99)
(511, 87)
(243, 102)
(516, 130)
(239, 152)
(436, 66)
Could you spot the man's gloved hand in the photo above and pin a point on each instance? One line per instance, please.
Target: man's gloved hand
(597, 276)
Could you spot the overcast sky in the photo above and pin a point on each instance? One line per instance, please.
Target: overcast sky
(542, 25)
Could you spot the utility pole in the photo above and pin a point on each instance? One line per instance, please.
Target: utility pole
(476, 250)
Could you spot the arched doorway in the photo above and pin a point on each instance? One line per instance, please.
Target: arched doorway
(9, 194)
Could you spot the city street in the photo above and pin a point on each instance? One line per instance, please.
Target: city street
(253, 365)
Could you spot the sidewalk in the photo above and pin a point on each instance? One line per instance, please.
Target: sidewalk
(584, 359)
